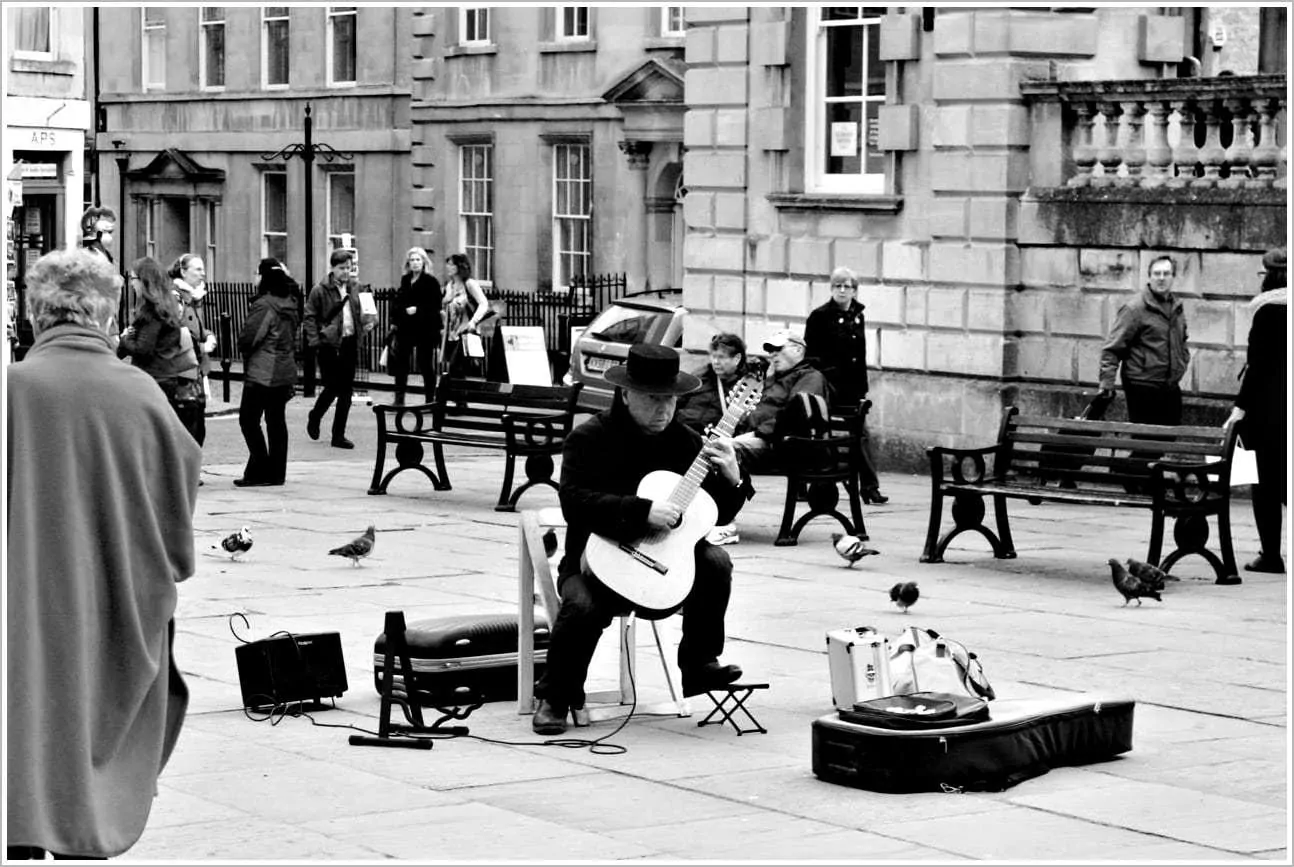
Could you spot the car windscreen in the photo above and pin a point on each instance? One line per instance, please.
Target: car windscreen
(619, 324)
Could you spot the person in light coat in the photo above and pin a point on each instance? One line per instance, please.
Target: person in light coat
(102, 481)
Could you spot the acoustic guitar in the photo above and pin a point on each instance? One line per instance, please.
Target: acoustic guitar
(656, 572)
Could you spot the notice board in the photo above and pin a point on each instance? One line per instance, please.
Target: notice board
(526, 354)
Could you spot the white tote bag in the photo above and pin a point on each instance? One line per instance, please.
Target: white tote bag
(1244, 467)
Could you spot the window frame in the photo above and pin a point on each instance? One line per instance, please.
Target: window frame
(265, 232)
(26, 54)
(329, 234)
(816, 177)
(152, 217)
(666, 15)
(558, 252)
(475, 14)
(266, 21)
(331, 40)
(146, 68)
(481, 256)
(559, 24)
(212, 246)
(203, 27)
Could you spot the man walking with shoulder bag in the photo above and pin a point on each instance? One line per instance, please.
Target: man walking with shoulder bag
(334, 322)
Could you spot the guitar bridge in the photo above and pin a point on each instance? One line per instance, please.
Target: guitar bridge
(650, 562)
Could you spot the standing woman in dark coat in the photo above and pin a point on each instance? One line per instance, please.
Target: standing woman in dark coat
(1260, 409)
(268, 342)
(835, 336)
(415, 325)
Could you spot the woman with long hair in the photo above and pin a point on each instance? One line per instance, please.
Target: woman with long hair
(158, 343)
(415, 325)
(189, 276)
(267, 342)
(465, 307)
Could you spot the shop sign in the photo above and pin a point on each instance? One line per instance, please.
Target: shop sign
(45, 139)
(39, 170)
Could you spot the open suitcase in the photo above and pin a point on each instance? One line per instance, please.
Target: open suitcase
(1023, 738)
(463, 660)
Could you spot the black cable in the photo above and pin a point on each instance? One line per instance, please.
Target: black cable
(245, 624)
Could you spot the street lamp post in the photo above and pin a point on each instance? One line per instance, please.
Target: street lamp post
(307, 150)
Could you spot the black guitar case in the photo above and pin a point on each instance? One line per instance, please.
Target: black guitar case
(1023, 738)
(463, 660)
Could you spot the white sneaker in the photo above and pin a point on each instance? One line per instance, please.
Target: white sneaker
(723, 535)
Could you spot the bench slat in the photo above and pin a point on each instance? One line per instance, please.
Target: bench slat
(1184, 431)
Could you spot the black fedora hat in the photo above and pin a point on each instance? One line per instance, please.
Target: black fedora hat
(652, 369)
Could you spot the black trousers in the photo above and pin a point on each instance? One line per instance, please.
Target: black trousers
(265, 461)
(426, 366)
(337, 372)
(1269, 495)
(1153, 404)
(35, 853)
(589, 606)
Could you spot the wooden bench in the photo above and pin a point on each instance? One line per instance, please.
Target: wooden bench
(1180, 472)
(525, 421)
(822, 465)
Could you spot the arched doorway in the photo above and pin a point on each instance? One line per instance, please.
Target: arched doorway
(665, 211)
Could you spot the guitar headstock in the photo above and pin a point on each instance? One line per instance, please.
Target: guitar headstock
(743, 397)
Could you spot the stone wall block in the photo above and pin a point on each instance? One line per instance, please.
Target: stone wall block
(698, 210)
(1108, 269)
(715, 86)
(1051, 34)
(993, 219)
(713, 253)
(884, 304)
(847, 224)
(902, 348)
(954, 32)
(1161, 38)
(991, 79)
(1000, 125)
(974, 354)
(1212, 322)
(1073, 312)
(423, 69)
(423, 25)
(902, 260)
(716, 170)
(1046, 358)
(951, 126)
(1215, 371)
(714, 14)
(768, 43)
(1026, 311)
(731, 42)
(424, 239)
(809, 256)
(916, 306)
(901, 37)
(697, 288)
(698, 128)
(700, 45)
(787, 298)
(946, 307)
(1233, 274)
(947, 218)
(756, 296)
(729, 293)
(1049, 266)
(423, 155)
(730, 127)
(958, 171)
(898, 128)
(770, 254)
(986, 309)
(424, 198)
(996, 265)
(860, 256)
(768, 128)
(729, 211)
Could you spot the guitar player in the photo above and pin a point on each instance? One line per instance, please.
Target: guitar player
(603, 462)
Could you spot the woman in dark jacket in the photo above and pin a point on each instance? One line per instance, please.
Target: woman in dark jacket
(268, 342)
(1261, 406)
(158, 343)
(706, 405)
(415, 325)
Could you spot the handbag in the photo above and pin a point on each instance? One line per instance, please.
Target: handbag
(1244, 467)
(381, 359)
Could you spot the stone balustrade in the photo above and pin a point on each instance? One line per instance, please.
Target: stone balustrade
(1198, 133)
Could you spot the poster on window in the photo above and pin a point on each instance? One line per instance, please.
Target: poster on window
(844, 139)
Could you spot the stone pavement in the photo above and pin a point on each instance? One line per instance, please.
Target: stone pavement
(1206, 779)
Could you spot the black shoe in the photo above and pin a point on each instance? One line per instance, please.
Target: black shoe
(254, 483)
(1263, 563)
(710, 676)
(312, 427)
(549, 719)
(342, 443)
(874, 495)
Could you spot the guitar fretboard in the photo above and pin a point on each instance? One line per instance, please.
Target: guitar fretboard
(687, 486)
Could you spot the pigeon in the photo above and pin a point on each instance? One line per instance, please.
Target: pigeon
(904, 595)
(237, 543)
(851, 548)
(1130, 586)
(358, 548)
(1152, 575)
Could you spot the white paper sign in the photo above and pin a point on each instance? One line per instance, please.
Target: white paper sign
(526, 354)
(844, 139)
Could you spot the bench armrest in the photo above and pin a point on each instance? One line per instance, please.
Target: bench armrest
(536, 430)
(1190, 481)
(412, 418)
(959, 458)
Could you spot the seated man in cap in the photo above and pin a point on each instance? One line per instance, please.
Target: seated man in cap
(788, 375)
(603, 461)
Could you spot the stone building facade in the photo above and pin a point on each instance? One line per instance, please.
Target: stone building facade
(547, 141)
(938, 154)
(196, 105)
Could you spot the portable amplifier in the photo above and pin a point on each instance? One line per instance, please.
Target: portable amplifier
(286, 668)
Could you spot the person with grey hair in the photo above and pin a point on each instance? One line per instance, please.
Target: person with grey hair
(103, 482)
(836, 337)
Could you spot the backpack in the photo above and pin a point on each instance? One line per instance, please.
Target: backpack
(806, 415)
(921, 660)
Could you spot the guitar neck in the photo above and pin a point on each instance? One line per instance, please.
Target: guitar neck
(687, 486)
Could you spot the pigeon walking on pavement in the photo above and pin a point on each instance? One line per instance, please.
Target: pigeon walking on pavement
(359, 547)
(1152, 575)
(904, 594)
(851, 548)
(1132, 587)
(237, 543)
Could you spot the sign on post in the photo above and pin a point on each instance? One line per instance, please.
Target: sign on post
(526, 354)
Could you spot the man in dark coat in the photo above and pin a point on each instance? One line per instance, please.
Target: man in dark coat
(334, 323)
(603, 461)
(835, 336)
(1260, 409)
(789, 373)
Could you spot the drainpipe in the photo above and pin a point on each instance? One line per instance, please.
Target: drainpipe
(94, 108)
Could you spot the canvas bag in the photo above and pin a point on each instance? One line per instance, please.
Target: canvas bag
(921, 660)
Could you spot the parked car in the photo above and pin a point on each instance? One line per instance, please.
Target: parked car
(648, 317)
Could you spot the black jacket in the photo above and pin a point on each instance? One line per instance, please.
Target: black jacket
(703, 407)
(1264, 384)
(836, 344)
(423, 327)
(603, 461)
